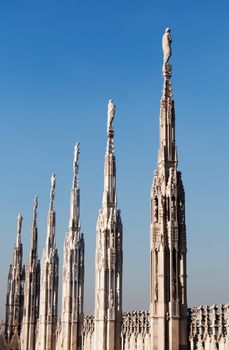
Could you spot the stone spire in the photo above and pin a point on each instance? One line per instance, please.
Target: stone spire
(32, 289)
(50, 241)
(168, 231)
(109, 193)
(33, 249)
(108, 294)
(46, 339)
(15, 290)
(74, 221)
(70, 337)
(167, 156)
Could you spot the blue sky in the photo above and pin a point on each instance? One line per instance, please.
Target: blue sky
(60, 62)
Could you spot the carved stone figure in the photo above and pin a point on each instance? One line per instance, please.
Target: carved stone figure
(52, 192)
(110, 114)
(166, 46)
(76, 152)
(53, 183)
(19, 222)
(155, 215)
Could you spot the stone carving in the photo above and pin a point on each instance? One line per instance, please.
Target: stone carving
(75, 166)
(52, 192)
(110, 114)
(89, 324)
(166, 46)
(155, 214)
(76, 152)
(173, 213)
(135, 322)
(19, 222)
(209, 323)
(35, 204)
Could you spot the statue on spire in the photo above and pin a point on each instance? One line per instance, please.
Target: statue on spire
(52, 192)
(110, 115)
(35, 206)
(76, 152)
(19, 222)
(75, 165)
(35, 203)
(167, 50)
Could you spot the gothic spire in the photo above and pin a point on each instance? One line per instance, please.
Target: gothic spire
(33, 250)
(46, 338)
(50, 243)
(109, 194)
(73, 270)
(167, 156)
(14, 299)
(74, 221)
(168, 232)
(31, 289)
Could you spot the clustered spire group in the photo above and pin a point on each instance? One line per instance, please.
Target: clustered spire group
(32, 321)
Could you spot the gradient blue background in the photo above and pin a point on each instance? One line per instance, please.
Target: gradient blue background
(60, 62)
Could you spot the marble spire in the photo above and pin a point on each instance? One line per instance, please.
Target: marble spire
(34, 248)
(46, 339)
(168, 303)
(109, 193)
(74, 220)
(70, 337)
(108, 293)
(15, 290)
(50, 241)
(31, 289)
(167, 155)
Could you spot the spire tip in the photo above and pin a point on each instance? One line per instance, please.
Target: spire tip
(111, 108)
(52, 192)
(19, 222)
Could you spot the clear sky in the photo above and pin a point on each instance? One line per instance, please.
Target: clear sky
(60, 62)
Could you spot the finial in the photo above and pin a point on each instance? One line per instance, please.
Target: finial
(167, 50)
(110, 117)
(52, 192)
(19, 223)
(76, 152)
(35, 206)
(76, 165)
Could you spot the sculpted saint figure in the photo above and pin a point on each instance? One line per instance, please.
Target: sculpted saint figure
(52, 192)
(76, 153)
(110, 114)
(166, 46)
(19, 222)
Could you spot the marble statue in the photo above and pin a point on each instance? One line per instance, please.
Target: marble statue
(166, 46)
(19, 222)
(52, 192)
(53, 183)
(110, 114)
(76, 153)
